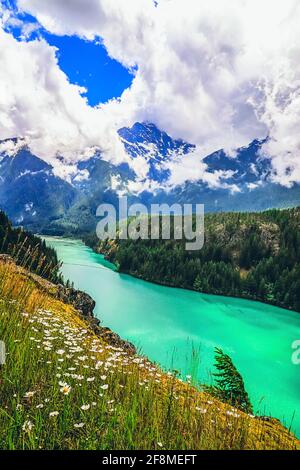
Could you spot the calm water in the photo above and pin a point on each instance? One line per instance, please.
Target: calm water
(167, 324)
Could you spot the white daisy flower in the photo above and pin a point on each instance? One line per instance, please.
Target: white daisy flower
(27, 426)
(65, 388)
(85, 407)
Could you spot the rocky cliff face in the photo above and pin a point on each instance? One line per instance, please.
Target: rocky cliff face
(85, 305)
(82, 302)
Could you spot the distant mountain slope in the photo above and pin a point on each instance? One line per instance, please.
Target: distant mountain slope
(145, 139)
(266, 196)
(249, 188)
(35, 197)
(248, 167)
(30, 193)
(103, 184)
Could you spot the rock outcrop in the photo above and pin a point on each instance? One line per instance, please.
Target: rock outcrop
(85, 304)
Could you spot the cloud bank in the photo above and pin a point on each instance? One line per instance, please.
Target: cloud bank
(218, 74)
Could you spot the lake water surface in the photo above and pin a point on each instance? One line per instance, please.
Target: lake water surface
(168, 323)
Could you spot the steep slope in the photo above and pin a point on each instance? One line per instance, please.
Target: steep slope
(155, 146)
(30, 193)
(249, 188)
(103, 184)
(28, 250)
(81, 390)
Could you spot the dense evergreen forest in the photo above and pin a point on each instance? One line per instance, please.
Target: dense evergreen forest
(251, 255)
(28, 250)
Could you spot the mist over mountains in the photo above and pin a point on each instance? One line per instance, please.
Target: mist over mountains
(35, 196)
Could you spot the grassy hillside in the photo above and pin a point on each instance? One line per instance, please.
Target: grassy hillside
(63, 387)
(251, 255)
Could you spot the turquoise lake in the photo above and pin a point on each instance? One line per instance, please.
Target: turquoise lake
(167, 324)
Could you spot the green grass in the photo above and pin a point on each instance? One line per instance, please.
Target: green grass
(111, 400)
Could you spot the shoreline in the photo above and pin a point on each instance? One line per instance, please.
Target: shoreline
(166, 284)
(190, 289)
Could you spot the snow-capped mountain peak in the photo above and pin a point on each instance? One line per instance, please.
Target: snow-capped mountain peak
(34, 194)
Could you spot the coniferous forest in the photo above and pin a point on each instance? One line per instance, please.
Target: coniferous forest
(28, 250)
(250, 255)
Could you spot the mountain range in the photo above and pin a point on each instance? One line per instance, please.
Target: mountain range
(33, 195)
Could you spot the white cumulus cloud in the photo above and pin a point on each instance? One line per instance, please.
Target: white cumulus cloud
(217, 74)
(38, 103)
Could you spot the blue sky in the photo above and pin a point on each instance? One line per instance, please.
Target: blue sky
(88, 64)
(85, 63)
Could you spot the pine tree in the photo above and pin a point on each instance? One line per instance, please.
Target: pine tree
(229, 386)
